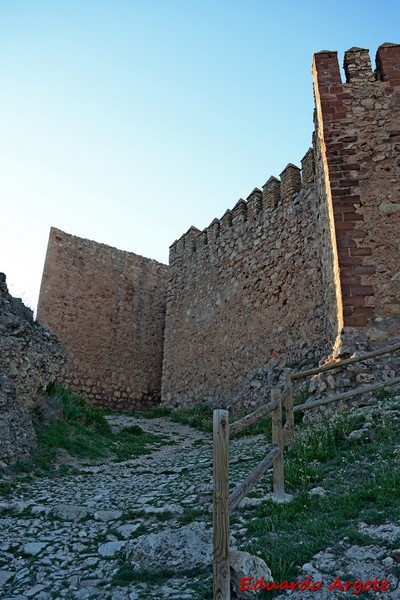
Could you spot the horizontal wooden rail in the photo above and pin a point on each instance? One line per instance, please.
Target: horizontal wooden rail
(363, 390)
(244, 488)
(251, 418)
(344, 363)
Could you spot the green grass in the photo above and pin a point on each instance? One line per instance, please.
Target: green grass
(126, 574)
(133, 514)
(164, 516)
(361, 479)
(155, 413)
(77, 439)
(6, 488)
(199, 417)
(192, 514)
(77, 410)
(133, 441)
(84, 433)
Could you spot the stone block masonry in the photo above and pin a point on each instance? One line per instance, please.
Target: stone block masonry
(247, 293)
(294, 271)
(107, 307)
(304, 269)
(358, 124)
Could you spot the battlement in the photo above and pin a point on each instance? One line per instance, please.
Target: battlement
(388, 63)
(285, 275)
(357, 67)
(257, 205)
(357, 123)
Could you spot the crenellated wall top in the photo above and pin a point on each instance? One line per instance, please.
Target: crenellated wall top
(357, 67)
(291, 181)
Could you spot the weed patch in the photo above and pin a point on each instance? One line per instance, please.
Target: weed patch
(6, 488)
(85, 433)
(199, 417)
(190, 515)
(77, 410)
(361, 482)
(126, 445)
(126, 574)
(155, 413)
(164, 516)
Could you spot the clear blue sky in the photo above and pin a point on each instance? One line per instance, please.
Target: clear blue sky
(126, 122)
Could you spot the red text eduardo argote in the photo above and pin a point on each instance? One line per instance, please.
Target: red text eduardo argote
(355, 587)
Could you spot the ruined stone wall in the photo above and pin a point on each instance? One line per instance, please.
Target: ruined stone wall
(107, 307)
(247, 294)
(359, 137)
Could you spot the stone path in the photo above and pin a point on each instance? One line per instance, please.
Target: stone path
(63, 538)
(67, 537)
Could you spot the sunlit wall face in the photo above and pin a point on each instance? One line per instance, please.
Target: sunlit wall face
(127, 122)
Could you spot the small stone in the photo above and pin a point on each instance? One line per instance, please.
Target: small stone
(34, 590)
(388, 562)
(110, 549)
(4, 577)
(248, 502)
(190, 544)
(357, 434)
(22, 573)
(70, 512)
(396, 554)
(74, 581)
(242, 564)
(107, 515)
(387, 207)
(39, 509)
(127, 529)
(89, 583)
(309, 569)
(363, 553)
(389, 532)
(317, 491)
(172, 508)
(34, 547)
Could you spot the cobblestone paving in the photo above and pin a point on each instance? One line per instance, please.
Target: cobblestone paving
(65, 537)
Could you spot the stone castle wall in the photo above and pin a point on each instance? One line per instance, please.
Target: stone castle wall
(359, 133)
(248, 293)
(315, 271)
(306, 268)
(107, 307)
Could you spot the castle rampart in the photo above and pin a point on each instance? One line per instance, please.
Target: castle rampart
(107, 307)
(306, 263)
(246, 293)
(359, 134)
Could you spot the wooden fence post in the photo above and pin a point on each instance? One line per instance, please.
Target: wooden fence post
(289, 407)
(277, 440)
(221, 573)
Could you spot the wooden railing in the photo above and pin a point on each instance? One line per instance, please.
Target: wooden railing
(223, 502)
